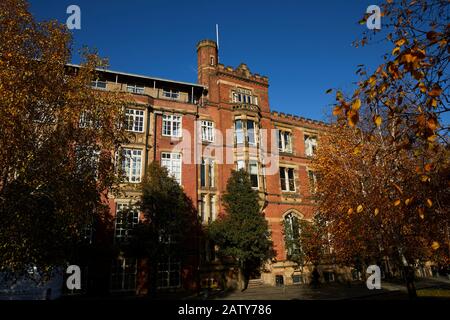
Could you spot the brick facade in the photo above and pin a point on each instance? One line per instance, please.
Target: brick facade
(227, 98)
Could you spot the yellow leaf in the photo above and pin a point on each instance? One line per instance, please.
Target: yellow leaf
(432, 138)
(435, 245)
(408, 201)
(435, 92)
(377, 119)
(434, 103)
(337, 110)
(424, 178)
(350, 211)
(397, 202)
(400, 42)
(356, 104)
(376, 212)
(356, 151)
(372, 81)
(422, 87)
(429, 202)
(353, 118)
(432, 123)
(395, 51)
(421, 213)
(359, 209)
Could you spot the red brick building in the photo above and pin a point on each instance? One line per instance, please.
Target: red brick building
(201, 132)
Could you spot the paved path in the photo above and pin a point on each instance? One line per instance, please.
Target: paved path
(333, 291)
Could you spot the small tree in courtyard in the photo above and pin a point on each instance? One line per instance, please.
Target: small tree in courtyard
(243, 232)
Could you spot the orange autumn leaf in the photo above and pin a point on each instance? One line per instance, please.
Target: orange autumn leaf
(356, 104)
(435, 245)
(377, 120)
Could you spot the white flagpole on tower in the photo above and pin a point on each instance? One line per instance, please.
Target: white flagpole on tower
(217, 40)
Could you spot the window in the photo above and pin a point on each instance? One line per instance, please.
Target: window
(207, 208)
(127, 217)
(135, 88)
(292, 236)
(207, 173)
(312, 181)
(97, 84)
(171, 94)
(212, 207)
(87, 160)
(287, 179)
(207, 131)
(202, 207)
(134, 120)
(171, 126)
(239, 131)
(87, 120)
(244, 96)
(172, 162)
(211, 61)
(169, 274)
(253, 171)
(240, 164)
(251, 132)
(132, 164)
(284, 141)
(123, 274)
(310, 145)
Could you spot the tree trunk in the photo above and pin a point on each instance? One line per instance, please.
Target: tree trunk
(409, 278)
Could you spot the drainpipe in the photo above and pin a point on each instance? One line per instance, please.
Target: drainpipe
(147, 132)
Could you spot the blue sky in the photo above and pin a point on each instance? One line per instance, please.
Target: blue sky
(304, 47)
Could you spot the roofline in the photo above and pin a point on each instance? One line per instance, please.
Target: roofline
(141, 76)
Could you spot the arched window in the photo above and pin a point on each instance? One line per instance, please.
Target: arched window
(292, 238)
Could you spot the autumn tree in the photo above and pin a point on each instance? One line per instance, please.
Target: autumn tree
(375, 204)
(399, 136)
(170, 227)
(242, 233)
(57, 136)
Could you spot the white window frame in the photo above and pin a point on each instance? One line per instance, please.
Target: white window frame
(212, 207)
(123, 274)
(250, 164)
(95, 84)
(134, 88)
(171, 94)
(310, 144)
(167, 272)
(240, 164)
(207, 128)
(130, 155)
(253, 131)
(287, 185)
(121, 233)
(137, 120)
(283, 145)
(169, 160)
(172, 123)
(312, 178)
